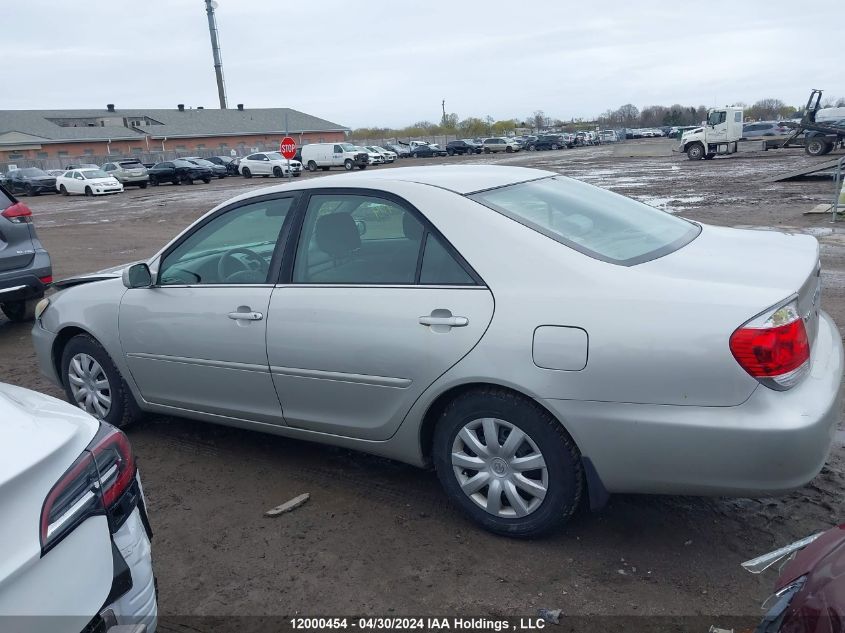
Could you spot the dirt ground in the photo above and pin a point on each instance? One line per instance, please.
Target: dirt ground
(378, 537)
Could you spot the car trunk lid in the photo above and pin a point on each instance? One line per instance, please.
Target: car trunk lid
(768, 266)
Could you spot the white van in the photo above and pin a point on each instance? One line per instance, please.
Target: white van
(325, 155)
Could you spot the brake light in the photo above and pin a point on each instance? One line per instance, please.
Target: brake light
(92, 486)
(46, 280)
(774, 348)
(18, 213)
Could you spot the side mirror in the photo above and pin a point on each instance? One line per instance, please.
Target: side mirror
(362, 227)
(137, 276)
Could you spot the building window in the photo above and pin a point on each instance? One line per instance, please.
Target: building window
(201, 146)
(42, 155)
(62, 153)
(15, 155)
(224, 145)
(89, 152)
(137, 150)
(180, 148)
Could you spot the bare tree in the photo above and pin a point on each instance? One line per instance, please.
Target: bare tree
(539, 120)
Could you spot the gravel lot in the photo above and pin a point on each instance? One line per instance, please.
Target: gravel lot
(378, 537)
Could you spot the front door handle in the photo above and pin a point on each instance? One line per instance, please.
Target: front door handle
(451, 321)
(246, 316)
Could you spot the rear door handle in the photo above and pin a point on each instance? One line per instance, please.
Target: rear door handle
(452, 321)
(246, 316)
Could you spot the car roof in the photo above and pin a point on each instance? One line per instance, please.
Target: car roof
(461, 179)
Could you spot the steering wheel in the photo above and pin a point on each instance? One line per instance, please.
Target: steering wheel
(250, 267)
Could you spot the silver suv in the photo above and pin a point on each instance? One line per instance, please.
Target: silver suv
(128, 172)
(25, 270)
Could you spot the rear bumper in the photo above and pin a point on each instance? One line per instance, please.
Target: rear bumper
(22, 285)
(139, 604)
(772, 443)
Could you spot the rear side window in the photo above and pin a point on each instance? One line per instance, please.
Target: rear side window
(593, 221)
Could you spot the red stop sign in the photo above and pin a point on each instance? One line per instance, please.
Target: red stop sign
(287, 147)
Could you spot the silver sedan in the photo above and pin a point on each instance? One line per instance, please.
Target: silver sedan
(541, 341)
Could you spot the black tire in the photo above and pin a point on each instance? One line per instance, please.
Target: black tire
(19, 311)
(450, 152)
(710, 156)
(88, 192)
(143, 185)
(563, 460)
(221, 176)
(63, 190)
(28, 190)
(277, 172)
(124, 410)
(362, 166)
(348, 165)
(555, 146)
(154, 181)
(508, 149)
(816, 146)
(297, 174)
(695, 151)
(246, 172)
(486, 150)
(312, 166)
(187, 179)
(176, 181)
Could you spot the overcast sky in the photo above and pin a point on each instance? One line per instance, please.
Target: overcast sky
(390, 62)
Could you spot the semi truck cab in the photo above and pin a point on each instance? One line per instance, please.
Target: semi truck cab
(719, 134)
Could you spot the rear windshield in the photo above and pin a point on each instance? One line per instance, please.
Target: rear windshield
(131, 164)
(32, 172)
(593, 221)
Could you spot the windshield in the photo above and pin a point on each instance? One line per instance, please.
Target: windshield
(180, 162)
(594, 221)
(202, 161)
(349, 147)
(90, 174)
(32, 172)
(131, 164)
(275, 156)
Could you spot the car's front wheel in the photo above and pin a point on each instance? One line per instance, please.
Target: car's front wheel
(246, 172)
(63, 190)
(94, 384)
(507, 462)
(348, 164)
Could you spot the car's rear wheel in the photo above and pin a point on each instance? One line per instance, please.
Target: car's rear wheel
(187, 179)
(143, 185)
(507, 462)
(94, 384)
(154, 181)
(312, 166)
(19, 311)
(450, 152)
(63, 190)
(486, 150)
(277, 172)
(205, 180)
(29, 190)
(509, 149)
(246, 172)
(348, 164)
(88, 192)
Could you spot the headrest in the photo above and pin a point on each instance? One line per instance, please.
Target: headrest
(337, 234)
(412, 228)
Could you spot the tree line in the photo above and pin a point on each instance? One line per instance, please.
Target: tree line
(626, 116)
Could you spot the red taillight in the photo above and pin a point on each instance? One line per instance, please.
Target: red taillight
(46, 280)
(18, 213)
(777, 349)
(92, 486)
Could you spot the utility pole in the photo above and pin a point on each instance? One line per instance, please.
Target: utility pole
(210, 5)
(443, 118)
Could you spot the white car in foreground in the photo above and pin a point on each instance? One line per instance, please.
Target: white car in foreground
(74, 534)
(89, 182)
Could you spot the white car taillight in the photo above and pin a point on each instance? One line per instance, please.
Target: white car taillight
(774, 347)
(93, 485)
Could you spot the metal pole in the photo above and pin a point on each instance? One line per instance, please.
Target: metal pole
(837, 188)
(289, 175)
(215, 51)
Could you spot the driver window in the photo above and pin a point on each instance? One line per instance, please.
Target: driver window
(716, 118)
(233, 248)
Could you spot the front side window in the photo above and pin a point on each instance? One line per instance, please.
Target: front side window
(338, 149)
(352, 239)
(233, 248)
(716, 118)
(593, 221)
